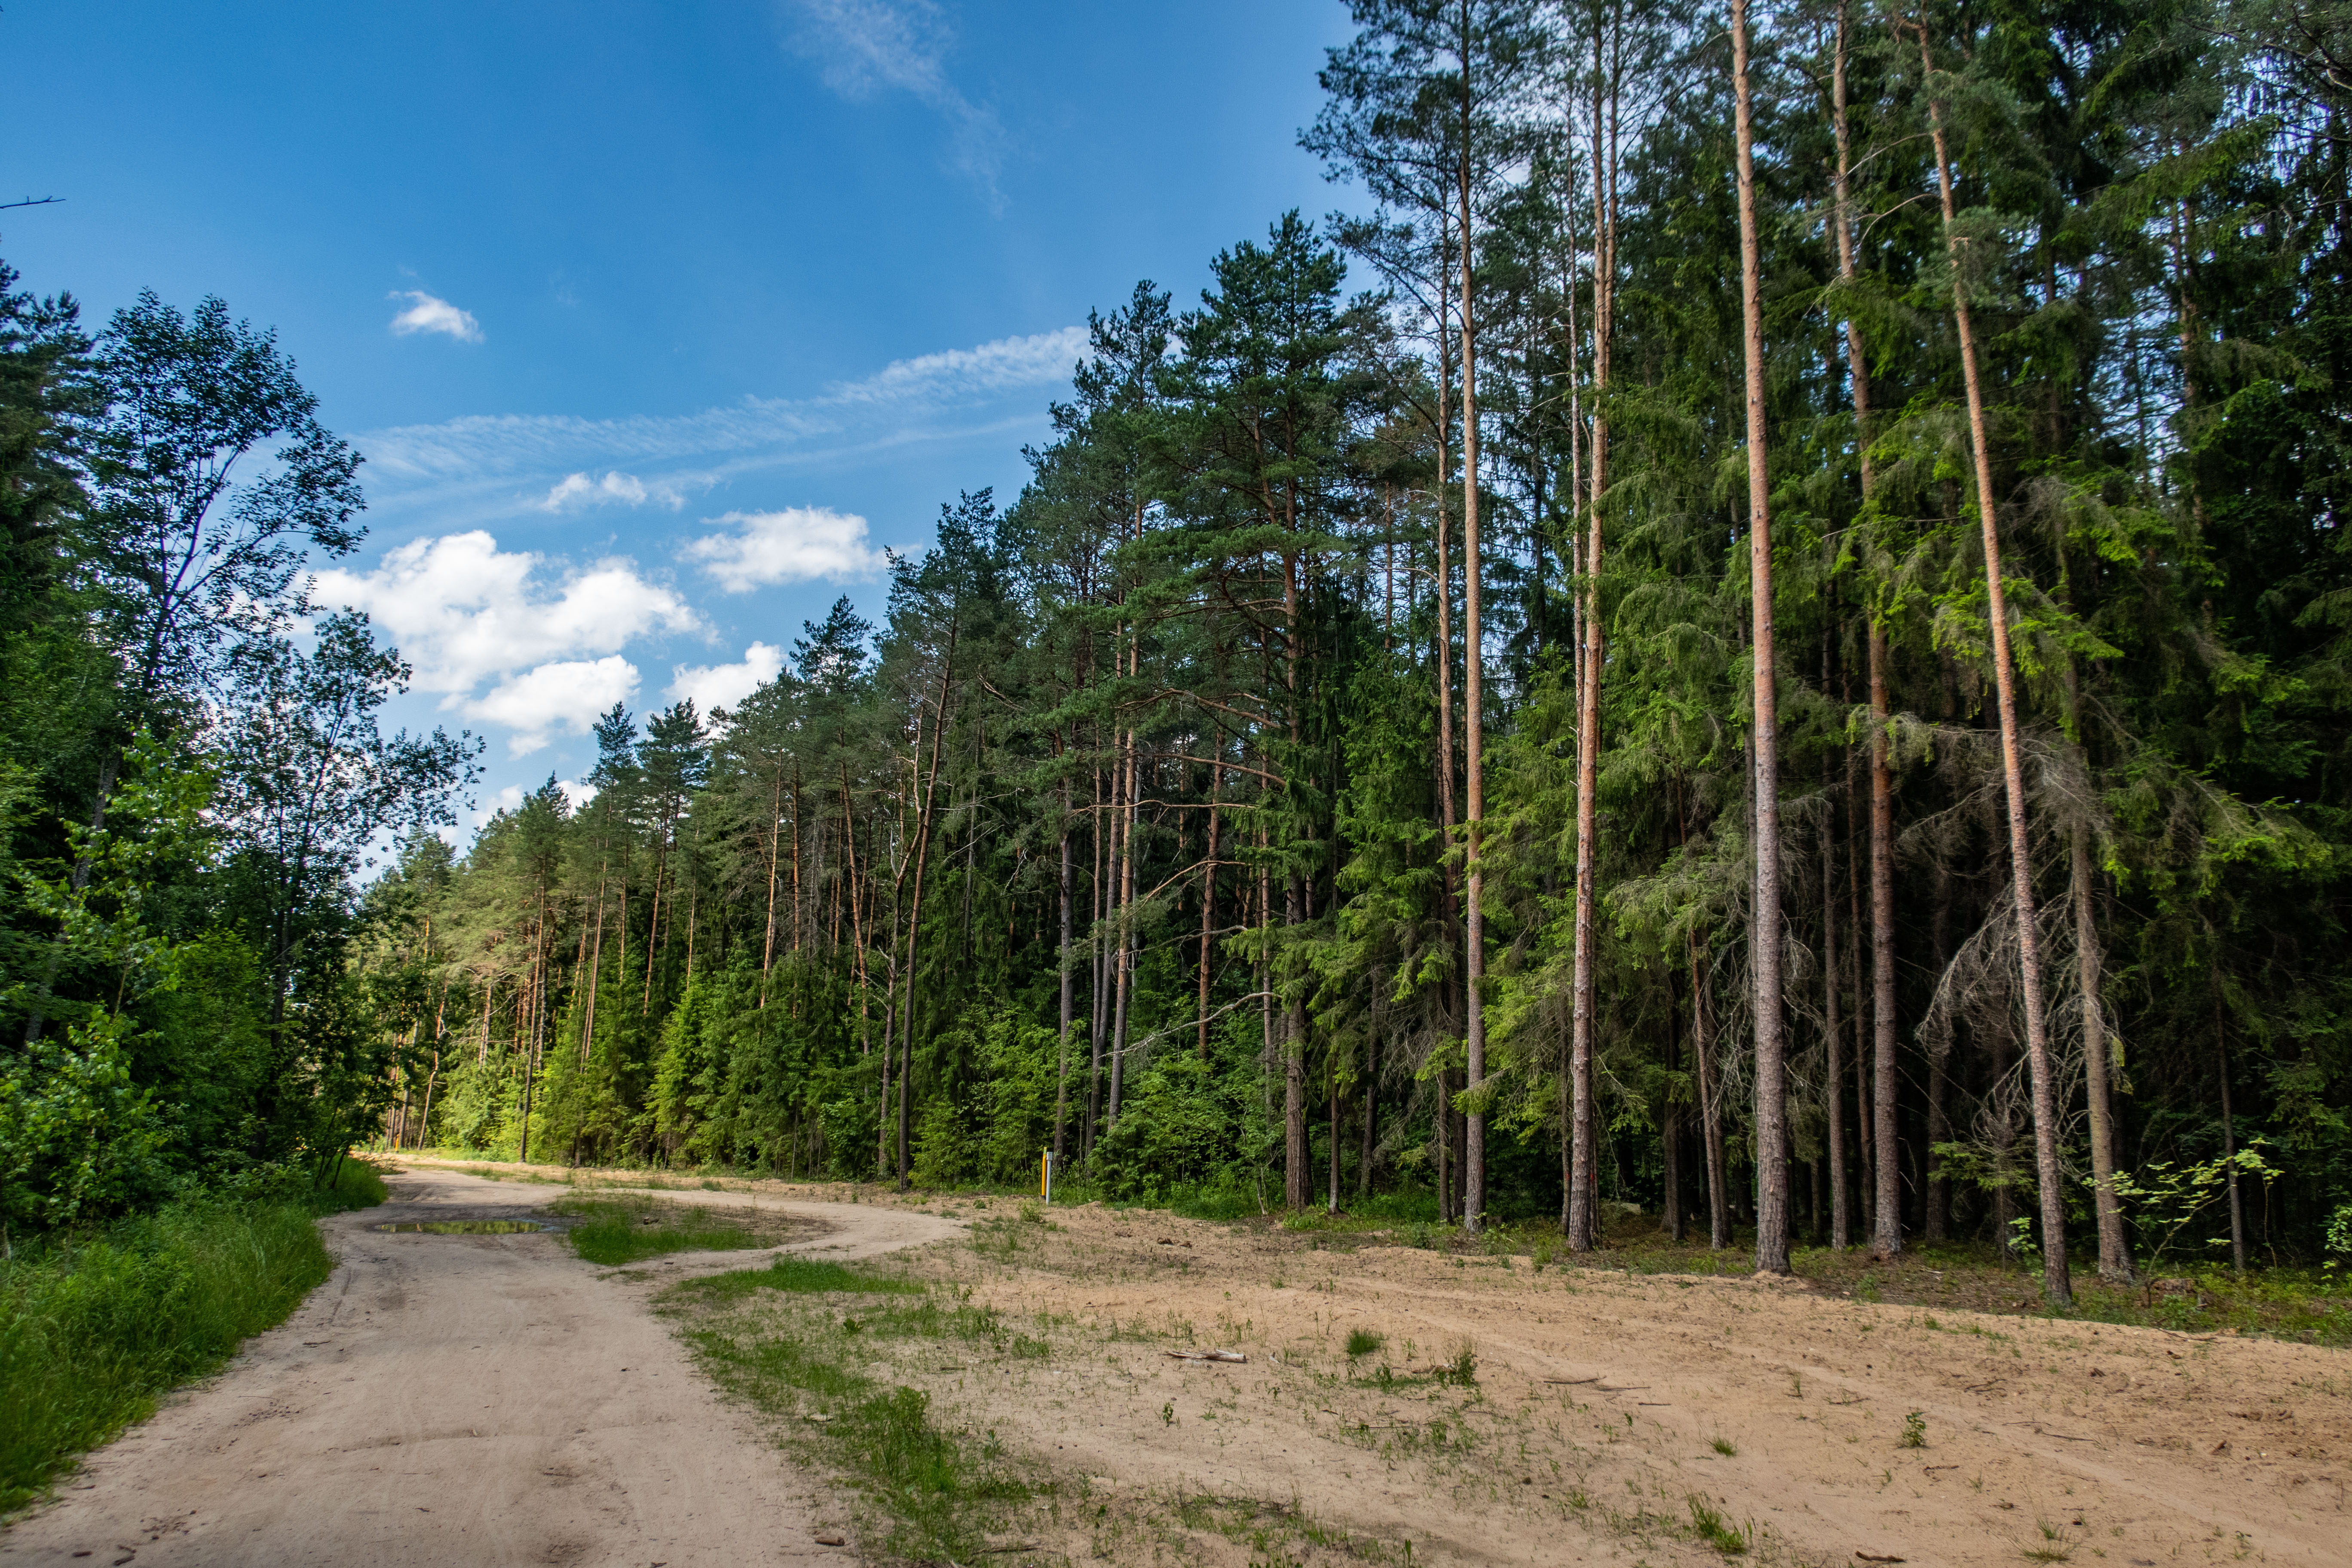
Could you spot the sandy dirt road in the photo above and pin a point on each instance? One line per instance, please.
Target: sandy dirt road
(463, 1399)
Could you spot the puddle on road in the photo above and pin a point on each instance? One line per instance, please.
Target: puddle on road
(466, 1226)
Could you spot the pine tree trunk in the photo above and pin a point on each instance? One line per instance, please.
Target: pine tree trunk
(2057, 1288)
(1670, 1129)
(1062, 1047)
(2114, 1251)
(1764, 943)
(2229, 1144)
(1582, 1228)
(1296, 1184)
(1122, 978)
(915, 915)
(1098, 995)
(775, 847)
(1209, 892)
(1473, 1142)
(1331, 1074)
(1833, 1031)
(1447, 1156)
(1710, 1103)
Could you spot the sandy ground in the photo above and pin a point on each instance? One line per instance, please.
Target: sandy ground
(1604, 1403)
(492, 1400)
(463, 1399)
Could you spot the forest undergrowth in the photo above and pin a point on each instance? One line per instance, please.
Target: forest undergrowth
(96, 1330)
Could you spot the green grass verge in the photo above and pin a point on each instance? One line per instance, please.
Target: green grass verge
(626, 1228)
(95, 1330)
(354, 1184)
(788, 1339)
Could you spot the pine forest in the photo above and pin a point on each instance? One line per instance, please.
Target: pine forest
(1749, 640)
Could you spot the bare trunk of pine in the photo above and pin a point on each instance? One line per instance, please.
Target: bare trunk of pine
(1710, 1108)
(2055, 1286)
(1834, 1030)
(1764, 945)
(1294, 1181)
(1062, 1051)
(1121, 980)
(2229, 1144)
(1295, 1176)
(1473, 1142)
(1582, 1227)
(2115, 1250)
(1209, 889)
(915, 916)
(1447, 1155)
(1099, 961)
(775, 847)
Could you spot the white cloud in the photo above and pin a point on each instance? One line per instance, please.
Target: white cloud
(462, 611)
(428, 314)
(991, 367)
(578, 491)
(788, 546)
(725, 685)
(867, 46)
(569, 695)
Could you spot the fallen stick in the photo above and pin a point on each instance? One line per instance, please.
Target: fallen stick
(1594, 1378)
(1874, 1557)
(1207, 1355)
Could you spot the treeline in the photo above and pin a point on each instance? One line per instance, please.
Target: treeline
(1764, 636)
(191, 773)
(1349, 764)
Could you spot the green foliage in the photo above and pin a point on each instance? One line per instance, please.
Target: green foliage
(94, 1331)
(2167, 1198)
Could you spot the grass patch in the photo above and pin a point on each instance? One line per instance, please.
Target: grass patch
(789, 1339)
(626, 1228)
(95, 1330)
(355, 1185)
(791, 1275)
(1708, 1524)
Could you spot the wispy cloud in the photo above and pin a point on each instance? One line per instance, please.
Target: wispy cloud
(428, 315)
(869, 47)
(794, 545)
(725, 685)
(991, 367)
(577, 490)
(480, 468)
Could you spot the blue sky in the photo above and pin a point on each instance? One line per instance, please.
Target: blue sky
(656, 322)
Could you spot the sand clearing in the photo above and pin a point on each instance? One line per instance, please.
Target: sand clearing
(1599, 1402)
